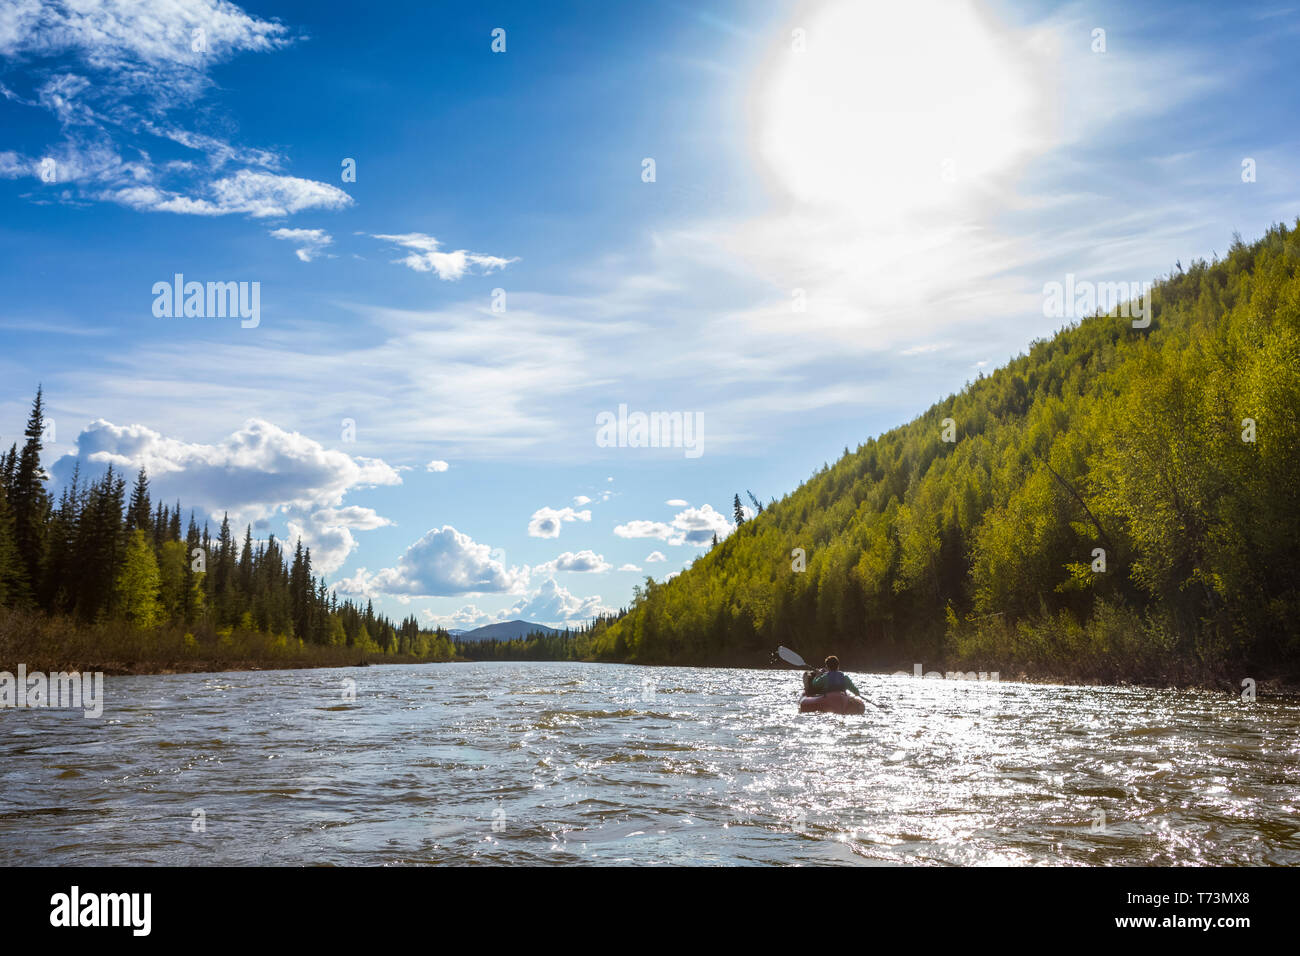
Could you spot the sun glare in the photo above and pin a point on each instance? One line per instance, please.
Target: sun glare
(889, 107)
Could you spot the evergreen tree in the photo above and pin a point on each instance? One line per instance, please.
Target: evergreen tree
(138, 514)
(30, 505)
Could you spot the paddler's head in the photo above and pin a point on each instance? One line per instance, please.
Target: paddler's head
(832, 663)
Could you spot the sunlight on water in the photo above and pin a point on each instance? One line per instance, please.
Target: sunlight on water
(607, 764)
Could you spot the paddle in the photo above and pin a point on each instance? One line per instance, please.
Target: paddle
(790, 657)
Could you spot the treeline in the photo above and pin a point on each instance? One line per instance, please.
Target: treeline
(98, 557)
(1120, 503)
(570, 644)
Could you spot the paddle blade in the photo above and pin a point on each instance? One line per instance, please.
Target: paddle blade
(790, 657)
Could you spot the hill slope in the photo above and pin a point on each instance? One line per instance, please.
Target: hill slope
(982, 551)
(504, 631)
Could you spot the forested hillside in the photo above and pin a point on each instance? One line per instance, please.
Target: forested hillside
(1172, 448)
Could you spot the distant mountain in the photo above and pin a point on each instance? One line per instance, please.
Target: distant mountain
(505, 631)
(456, 631)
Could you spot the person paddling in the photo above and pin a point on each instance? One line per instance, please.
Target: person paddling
(833, 679)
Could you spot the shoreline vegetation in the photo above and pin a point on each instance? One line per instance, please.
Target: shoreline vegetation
(1119, 505)
(52, 645)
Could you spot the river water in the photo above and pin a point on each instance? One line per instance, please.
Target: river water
(551, 763)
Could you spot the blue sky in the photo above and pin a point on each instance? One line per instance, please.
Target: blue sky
(854, 211)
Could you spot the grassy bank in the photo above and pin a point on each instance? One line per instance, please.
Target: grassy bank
(61, 643)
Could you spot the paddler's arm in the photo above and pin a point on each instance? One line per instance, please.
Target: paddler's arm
(819, 683)
(849, 680)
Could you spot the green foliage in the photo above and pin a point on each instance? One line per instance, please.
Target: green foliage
(138, 584)
(1104, 437)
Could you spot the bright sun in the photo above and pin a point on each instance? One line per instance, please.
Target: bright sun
(890, 105)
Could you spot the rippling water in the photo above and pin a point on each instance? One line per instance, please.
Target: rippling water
(604, 764)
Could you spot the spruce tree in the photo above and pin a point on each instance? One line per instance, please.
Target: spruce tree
(30, 504)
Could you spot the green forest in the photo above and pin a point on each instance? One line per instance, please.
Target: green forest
(100, 578)
(1120, 504)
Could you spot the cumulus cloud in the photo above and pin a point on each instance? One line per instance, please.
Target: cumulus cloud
(465, 619)
(629, 567)
(555, 606)
(328, 533)
(644, 529)
(311, 243)
(444, 562)
(695, 526)
(654, 556)
(581, 500)
(546, 522)
(450, 266)
(549, 604)
(583, 561)
(437, 465)
(257, 472)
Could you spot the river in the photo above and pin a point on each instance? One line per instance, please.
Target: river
(555, 763)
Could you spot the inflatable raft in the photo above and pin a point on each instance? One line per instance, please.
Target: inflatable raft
(836, 702)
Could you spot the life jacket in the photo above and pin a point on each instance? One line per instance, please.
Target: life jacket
(835, 680)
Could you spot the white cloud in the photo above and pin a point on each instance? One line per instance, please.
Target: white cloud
(641, 528)
(450, 266)
(444, 562)
(118, 76)
(437, 465)
(255, 473)
(546, 522)
(465, 619)
(555, 606)
(258, 195)
(677, 503)
(695, 526)
(654, 556)
(581, 500)
(121, 36)
(629, 567)
(310, 242)
(583, 561)
(549, 604)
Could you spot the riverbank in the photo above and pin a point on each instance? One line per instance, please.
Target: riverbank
(61, 644)
(53, 644)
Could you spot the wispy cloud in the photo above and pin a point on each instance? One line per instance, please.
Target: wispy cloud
(450, 266)
(121, 77)
(311, 243)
